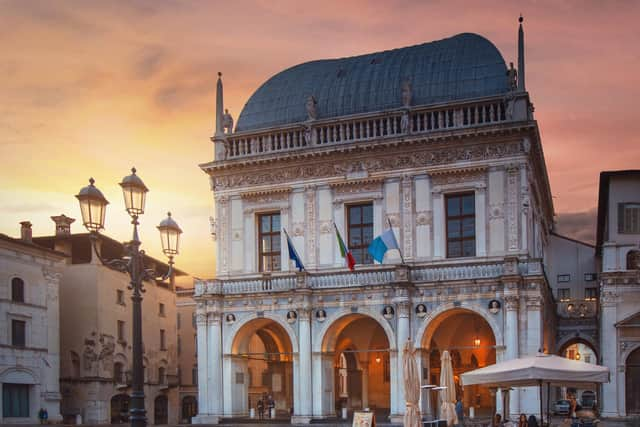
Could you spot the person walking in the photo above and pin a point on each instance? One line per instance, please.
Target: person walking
(271, 404)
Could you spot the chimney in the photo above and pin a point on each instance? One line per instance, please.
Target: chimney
(25, 231)
(63, 225)
(62, 241)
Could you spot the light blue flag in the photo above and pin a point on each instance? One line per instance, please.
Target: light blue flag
(381, 244)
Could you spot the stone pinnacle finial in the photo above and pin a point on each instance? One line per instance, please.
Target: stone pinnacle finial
(220, 74)
(521, 84)
(520, 19)
(92, 181)
(133, 170)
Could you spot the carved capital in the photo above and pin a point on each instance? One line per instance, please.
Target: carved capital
(511, 302)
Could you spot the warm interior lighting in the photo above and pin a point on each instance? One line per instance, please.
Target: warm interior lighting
(476, 341)
(578, 356)
(378, 359)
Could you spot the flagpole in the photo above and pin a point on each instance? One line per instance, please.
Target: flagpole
(399, 250)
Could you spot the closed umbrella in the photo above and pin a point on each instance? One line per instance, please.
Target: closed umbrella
(448, 394)
(411, 385)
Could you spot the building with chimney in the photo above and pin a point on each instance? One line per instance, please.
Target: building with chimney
(437, 142)
(96, 333)
(29, 329)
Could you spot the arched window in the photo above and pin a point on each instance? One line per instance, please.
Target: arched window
(162, 377)
(118, 373)
(17, 290)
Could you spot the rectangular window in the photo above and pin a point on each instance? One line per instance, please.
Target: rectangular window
(590, 294)
(179, 343)
(461, 225)
(18, 333)
(563, 278)
(15, 400)
(121, 330)
(629, 218)
(161, 310)
(120, 297)
(589, 277)
(360, 231)
(178, 320)
(194, 375)
(564, 294)
(269, 242)
(17, 290)
(195, 341)
(163, 343)
(193, 320)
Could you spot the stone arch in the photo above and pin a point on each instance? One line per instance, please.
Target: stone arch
(631, 359)
(428, 327)
(319, 336)
(19, 376)
(233, 330)
(586, 340)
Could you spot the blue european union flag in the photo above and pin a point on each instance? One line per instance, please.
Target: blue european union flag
(293, 254)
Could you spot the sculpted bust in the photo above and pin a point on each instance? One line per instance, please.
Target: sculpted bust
(406, 93)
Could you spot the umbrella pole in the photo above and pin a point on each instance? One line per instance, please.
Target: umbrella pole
(548, 394)
(541, 421)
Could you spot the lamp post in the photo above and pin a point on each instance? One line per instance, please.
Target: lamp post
(93, 206)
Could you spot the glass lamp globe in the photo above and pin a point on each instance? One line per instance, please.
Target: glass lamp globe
(134, 192)
(93, 206)
(170, 236)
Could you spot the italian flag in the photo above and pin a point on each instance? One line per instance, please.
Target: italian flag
(344, 251)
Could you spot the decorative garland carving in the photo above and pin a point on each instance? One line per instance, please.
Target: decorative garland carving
(407, 211)
(424, 218)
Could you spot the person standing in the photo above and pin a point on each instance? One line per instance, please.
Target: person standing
(460, 412)
(522, 421)
(43, 415)
(271, 404)
(260, 409)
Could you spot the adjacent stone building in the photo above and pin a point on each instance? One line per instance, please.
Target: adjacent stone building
(29, 329)
(437, 141)
(618, 253)
(187, 354)
(95, 333)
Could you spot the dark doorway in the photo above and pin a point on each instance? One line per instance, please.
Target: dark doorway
(189, 408)
(632, 373)
(120, 409)
(160, 410)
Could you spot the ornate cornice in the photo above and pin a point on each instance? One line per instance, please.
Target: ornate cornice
(267, 195)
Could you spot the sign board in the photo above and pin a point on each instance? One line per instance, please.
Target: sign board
(364, 419)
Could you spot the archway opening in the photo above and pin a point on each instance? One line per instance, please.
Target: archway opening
(356, 349)
(580, 350)
(632, 382)
(262, 370)
(120, 408)
(471, 344)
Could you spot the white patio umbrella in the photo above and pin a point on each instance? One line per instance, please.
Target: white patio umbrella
(411, 385)
(448, 394)
(536, 371)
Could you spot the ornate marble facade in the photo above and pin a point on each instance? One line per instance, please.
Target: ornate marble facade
(405, 161)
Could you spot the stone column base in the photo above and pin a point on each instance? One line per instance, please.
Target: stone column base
(205, 419)
(301, 419)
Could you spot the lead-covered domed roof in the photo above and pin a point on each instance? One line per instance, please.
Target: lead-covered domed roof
(461, 67)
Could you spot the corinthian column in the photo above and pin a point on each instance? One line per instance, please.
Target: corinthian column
(214, 363)
(304, 407)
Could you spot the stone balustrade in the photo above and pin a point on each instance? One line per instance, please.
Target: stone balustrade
(393, 123)
(374, 275)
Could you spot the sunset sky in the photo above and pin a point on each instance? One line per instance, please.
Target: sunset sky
(93, 88)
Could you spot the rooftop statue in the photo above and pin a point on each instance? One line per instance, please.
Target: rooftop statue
(512, 77)
(227, 122)
(312, 110)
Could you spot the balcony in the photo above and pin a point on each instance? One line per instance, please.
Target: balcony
(577, 309)
(372, 275)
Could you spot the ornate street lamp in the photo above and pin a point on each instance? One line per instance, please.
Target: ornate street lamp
(92, 207)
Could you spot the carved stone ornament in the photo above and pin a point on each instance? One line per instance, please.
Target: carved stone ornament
(494, 306)
(388, 312)
(458, 176)
(356, 186)
(297, 229)
(338, 165)
(511, 302)
(325, 227)
(230, 318)
(394, 218)
(266, 196)
(292, 316)
(421, 310)
(424, 218)
(312, 107)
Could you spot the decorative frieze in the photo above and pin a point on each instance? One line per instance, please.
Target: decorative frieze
(407, 216)
(310, 221)
(424, 218)
(378, 160)
(512, 208)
